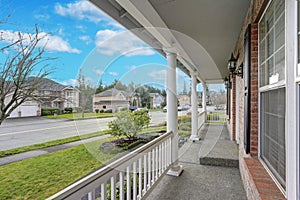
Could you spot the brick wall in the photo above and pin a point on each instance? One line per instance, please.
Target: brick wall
(254, 91)
(255, 178)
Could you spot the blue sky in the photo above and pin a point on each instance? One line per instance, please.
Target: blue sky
(82, 37)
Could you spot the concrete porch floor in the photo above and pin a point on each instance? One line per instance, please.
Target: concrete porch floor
(198, 181)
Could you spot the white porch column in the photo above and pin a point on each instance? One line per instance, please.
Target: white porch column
(194, 135)
(204, 86)
(172, 113)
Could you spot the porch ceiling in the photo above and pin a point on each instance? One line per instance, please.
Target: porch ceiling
(205, 31)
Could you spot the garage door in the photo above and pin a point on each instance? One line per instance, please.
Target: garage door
(26, 111)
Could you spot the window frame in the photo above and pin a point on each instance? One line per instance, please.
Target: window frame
(270, 87)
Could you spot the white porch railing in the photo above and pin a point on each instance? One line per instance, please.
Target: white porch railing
(216, 117)
(201, 119)
(131, 176)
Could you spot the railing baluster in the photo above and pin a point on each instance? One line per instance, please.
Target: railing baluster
(156, 162)
(90, 196)
(145, 173)
(149, 169)
(170, 152)
(128, 189)
(121, 192)
(153, 166)
(134, 181)
(159, 159)
(113, 188)
(140, 178)
(103, 191)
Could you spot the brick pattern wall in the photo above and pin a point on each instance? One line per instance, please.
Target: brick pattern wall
(257, 182)
(254, 91)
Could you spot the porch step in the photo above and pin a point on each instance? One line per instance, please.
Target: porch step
(217, 149)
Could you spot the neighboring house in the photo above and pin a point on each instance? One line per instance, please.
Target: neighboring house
(55, 95)
(50, 94)
(115, 100)
(184, 99)
(156, 100)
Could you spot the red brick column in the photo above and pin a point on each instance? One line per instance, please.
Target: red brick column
(254, 91)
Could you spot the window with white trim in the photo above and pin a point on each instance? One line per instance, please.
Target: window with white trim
(272, 89)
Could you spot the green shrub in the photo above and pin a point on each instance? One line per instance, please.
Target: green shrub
(50, 111)
(123, 109)
(69, 110)
(101, 111)
(129, 123)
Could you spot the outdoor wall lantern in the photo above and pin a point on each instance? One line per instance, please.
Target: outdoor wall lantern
(232, 67)
(227, 82)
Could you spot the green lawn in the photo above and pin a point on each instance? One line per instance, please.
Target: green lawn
(184, 126)
(43, 176)
(76, 116)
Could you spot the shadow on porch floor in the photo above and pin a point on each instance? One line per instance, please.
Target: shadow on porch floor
(205, 182)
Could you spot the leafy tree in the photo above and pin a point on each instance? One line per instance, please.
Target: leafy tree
(85, 93)
(100, 88)
(22, 58)
(145, 96)
(129, 123)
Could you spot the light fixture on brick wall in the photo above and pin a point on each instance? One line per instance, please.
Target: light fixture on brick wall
(227, 82)
(232, 67)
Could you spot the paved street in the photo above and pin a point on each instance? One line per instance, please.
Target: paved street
(28, 131)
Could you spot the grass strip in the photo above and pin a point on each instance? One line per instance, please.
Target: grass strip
(42, 176)
(50, 143)
(78, 116)
(10, 152)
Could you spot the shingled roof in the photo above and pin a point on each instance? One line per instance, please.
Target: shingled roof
(112, 92)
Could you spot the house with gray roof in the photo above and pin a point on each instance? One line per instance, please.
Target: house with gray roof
(114, 99)
(49, 94)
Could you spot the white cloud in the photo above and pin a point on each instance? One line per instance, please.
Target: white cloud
(158, 75)
(111, 42)
(113, 73)
(99, 72)
(51, 43)
(133, 67)
(42, 17)
(86, 39)
(81, 28)
(83, 9)
(70, 82)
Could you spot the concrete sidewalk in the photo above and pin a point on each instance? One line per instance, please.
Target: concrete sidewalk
(201, 182)
(34, 153)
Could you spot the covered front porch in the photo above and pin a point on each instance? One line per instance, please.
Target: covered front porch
(210, 171)
(198, 38)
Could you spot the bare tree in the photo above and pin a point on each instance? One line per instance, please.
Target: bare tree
(22, 70)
